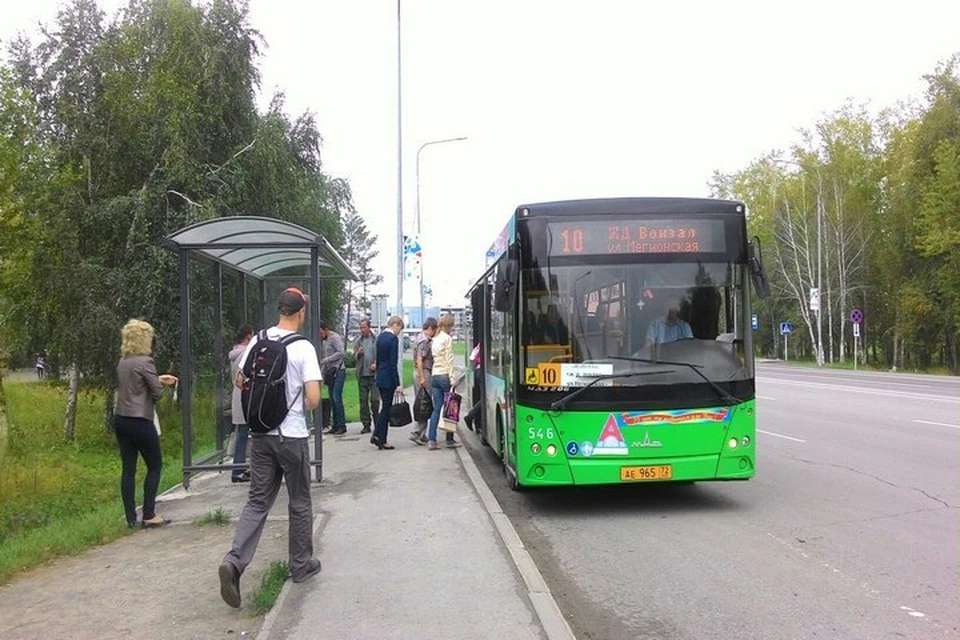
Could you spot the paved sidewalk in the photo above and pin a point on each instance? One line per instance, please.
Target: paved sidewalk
(408, 547)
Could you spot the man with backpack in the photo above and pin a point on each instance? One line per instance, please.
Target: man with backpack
(280, 379)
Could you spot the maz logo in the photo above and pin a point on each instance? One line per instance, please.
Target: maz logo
(647, 442)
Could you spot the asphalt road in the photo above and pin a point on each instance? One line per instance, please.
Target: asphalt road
(849, 530)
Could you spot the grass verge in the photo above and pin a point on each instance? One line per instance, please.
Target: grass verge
(61, 498)
(266, 596)
(217, 517)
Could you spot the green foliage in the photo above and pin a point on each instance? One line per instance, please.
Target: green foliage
(266, 596)
(886, 191)
(116, 133)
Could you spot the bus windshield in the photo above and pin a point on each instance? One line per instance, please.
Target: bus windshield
(580, 321)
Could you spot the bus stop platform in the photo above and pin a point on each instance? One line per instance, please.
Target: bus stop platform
(412, 542)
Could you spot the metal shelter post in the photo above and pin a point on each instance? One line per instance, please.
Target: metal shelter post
(263, 304)
(185, 369)
(243, 296)
(218, 354)
(315, 338)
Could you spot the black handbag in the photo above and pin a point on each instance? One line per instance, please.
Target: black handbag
(422, 405)
(400, 410)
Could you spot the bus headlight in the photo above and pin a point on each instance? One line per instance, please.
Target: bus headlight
(733, 443)
(551, 450)
(535, 447)
(745, 441)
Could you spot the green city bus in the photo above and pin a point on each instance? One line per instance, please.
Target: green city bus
(615, 342)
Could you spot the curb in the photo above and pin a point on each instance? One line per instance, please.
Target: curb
(271, 618)
(551, 618)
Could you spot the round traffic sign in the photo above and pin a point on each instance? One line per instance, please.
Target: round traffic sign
(856, 315)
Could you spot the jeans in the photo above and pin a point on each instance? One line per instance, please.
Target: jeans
(271, 463)
(138, 436)
(368, 399)
(240, 448)
(383, 418)
(440, 386)
(335, 389)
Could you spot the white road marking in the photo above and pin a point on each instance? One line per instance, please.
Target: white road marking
(913, 612)
(765, 398)
(780, 435)
(876, 392)
(937, 424)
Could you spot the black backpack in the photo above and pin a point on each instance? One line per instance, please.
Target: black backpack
(264, 391)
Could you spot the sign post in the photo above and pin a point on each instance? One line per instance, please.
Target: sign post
(856, 317)
(785, 329)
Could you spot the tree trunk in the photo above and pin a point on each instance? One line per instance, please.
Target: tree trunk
(70, 418)
(3, 419)
(109, 407)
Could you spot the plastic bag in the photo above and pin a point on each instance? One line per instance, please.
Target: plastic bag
(422, 405)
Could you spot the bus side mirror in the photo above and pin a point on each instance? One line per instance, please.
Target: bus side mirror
(505, 287)
(757, 274)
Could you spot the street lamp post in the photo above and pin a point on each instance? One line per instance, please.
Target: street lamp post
(399, 193)
(399, 176)
(422, 147)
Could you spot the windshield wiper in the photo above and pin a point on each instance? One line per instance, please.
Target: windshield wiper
(560, 402)
(693, 367)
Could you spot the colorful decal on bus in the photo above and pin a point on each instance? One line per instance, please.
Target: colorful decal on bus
(611, 440)
(680, 416)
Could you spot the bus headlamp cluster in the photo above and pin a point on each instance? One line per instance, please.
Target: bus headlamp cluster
(733, 443)
(536, 448)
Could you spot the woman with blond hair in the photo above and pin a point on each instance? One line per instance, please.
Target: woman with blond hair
(138, 388)
(442, 350)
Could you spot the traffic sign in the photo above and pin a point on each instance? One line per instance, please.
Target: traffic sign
(856, 315)
(754, 321)
(856, 331)
(786, 328)
(815, 299)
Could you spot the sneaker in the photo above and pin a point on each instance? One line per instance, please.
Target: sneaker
(453, 444)
(339, 431)
(366, 429)
(230, 584)
(313, 568)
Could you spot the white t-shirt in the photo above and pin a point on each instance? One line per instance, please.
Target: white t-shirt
(302, 366)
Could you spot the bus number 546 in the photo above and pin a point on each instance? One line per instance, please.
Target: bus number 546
(538, 434)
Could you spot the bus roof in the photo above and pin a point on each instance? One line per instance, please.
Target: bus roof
(630, 206)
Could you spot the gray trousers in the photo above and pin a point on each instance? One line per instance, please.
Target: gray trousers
(270, 463)
(369, 399)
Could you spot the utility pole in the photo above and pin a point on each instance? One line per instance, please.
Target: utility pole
(399, 190)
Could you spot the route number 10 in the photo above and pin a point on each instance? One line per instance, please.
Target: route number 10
(572, 240)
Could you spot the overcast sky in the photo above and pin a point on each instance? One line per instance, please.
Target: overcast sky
(562, 99)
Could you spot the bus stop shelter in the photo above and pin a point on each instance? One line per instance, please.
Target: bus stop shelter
(265, 250)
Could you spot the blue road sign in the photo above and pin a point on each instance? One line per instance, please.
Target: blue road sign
(786, 328)
(856, 316)
(754, 321)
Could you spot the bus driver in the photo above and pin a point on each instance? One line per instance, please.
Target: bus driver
(670, 328)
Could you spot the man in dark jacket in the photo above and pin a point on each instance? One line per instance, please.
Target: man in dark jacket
(387, 378)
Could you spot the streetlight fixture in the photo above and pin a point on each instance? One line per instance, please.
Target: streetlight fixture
(422, 147)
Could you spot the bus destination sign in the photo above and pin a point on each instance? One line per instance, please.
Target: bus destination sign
(613, 237)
